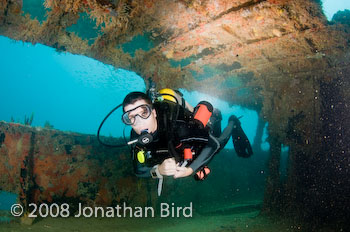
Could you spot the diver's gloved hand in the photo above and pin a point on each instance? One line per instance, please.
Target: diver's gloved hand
(183, 172)
(239, 138)
(168, 167)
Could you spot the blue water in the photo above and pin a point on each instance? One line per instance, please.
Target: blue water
(6, 200)
(74, 93)
(330, 7)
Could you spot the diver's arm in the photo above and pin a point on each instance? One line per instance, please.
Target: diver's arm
(206, 154)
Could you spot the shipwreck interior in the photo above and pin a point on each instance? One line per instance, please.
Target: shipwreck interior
(280, 58)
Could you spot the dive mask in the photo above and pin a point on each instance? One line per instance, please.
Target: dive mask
(143, 111)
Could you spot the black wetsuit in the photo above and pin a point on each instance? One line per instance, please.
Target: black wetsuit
(176, 129)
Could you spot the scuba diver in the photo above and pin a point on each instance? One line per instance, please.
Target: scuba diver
(171, 138)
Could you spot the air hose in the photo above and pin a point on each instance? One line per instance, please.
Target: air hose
(103, 121)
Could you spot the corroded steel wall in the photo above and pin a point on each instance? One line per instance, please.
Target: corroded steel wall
(44, 165)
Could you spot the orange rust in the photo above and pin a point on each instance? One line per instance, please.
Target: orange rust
(148, 3)
(57, 174)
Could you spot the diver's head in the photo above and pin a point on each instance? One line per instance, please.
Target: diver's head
(139, 112)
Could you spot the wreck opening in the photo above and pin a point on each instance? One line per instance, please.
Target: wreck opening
(68, 92)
